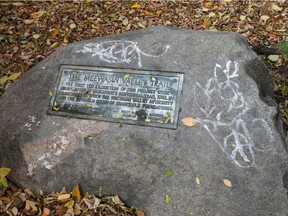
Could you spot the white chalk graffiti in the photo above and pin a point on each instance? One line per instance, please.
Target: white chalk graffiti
(224, 107)
(118, 51)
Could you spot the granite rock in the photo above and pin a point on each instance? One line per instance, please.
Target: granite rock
(226, 88)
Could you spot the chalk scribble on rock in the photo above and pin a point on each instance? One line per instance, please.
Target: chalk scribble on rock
(118, 51)
(224, 107)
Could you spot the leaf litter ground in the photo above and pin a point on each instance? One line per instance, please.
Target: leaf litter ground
(30, 31)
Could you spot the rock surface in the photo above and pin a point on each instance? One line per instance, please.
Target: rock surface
(237, 135)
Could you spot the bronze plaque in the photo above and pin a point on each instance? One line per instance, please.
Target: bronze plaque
(129, 96)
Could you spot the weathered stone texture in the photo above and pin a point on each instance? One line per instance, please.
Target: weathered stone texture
(226, 88)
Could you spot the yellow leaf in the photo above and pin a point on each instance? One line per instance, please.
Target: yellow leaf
(188, 121)
(88, 105)
(4, 171)
(159, 12)
(54, 45)
(148, 120)
(197, 180)
(135, 6)
(242, 17)
(38, 14)
(69, 204)
(126, 75)
(118, 115)
(167, 198)
(76, 193)
(276, 7)
(264, 17)
(8, 199)
(208, 3)
(63, 197)
(50, 93)
(273, 58)
(227, 182)
(55, 32)
(36, 36)
(72, 25)
(65, 40)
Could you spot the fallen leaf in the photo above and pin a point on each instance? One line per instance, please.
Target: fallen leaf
(63, 197)
(242, 17)
(60, 210)
(135, 6)
(273, 58)
(227, 182)
(69, 204)
(207, 22)
(211, 14)
(188, 121)
(159, 12)
(31, 206)
(55, 32)
(17, 4)
(118, 115)
(276, 7)
(7, 199)
(72, 26)
(139, 213)
(197, 180)
(169, 174)
(28, 21)
(54, 45)
(125, 21)
(167, 198)
(46, 212)
(117, 200)
(76, 193)
(2, 81)
(38, 14)
(14, 76)
(264, 17)
(36, 36)
(92, 203)
(88, 105)
(14, 211)
(65, 40)
(50, 93)
(4, 182)
(4, 171)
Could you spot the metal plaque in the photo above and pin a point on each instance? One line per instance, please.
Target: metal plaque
(118, 95)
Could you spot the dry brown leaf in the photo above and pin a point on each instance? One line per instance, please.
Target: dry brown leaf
(139, 213)
(46, 212)
(55, 32)
(31, 206)
(188, 121)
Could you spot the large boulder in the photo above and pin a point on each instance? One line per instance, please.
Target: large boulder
(226, 88)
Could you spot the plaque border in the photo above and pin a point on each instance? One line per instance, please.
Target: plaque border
(118, 70)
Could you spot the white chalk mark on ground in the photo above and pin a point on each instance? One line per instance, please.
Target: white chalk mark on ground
(118, 51)
(224, 107)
